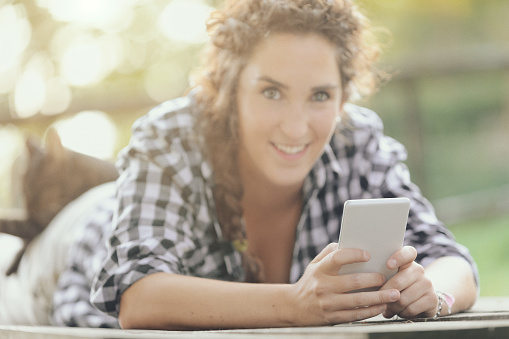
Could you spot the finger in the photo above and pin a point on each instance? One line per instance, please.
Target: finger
(426, 307)
(423, 288)
(333, 261)
(407, 297)
(327, 250)
(405, 278)
(404, 256)
(359, 281)
(347, 316)
(350, 301)
(365, 299)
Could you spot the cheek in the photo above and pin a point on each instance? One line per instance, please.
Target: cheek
(324, 125)
(255, 119)
(250, 128)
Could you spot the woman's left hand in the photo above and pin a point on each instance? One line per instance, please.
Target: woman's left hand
(418, 297)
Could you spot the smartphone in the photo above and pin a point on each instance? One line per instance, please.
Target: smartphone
(377, 226)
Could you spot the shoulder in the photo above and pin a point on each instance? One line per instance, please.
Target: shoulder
(166, 135)
(358, 128)
(171, 117)
(361, 132)
(360, 120)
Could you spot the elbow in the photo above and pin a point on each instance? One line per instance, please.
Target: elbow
(131, 321)
(143, 307)
(136, 312)
(126, 320)
(128, 317)
(131, 316)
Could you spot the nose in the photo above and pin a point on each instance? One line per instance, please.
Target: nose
(295, 122)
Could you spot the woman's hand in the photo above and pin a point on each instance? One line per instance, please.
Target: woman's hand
(418, 297)
(322, 297)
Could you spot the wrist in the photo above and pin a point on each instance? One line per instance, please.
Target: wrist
(445, 303)
(288, 310)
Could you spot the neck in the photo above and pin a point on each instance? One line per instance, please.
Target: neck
(260, 194)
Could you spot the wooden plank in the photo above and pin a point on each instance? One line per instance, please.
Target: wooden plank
(489, 318)
(436, 330)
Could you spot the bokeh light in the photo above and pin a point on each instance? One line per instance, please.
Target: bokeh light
(83, 63)
(164, 81)
(107, 15)
(85, 44)
(29, 93)
(58, 97)
(89, 132)
(9, 135)
(15, 34)
(184, 20)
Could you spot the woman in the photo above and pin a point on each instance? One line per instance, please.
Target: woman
(244, 180)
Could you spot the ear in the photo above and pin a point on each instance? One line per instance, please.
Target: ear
(53, 144)
(32, 146)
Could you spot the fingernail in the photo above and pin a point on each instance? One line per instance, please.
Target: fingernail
(392, 263)
(394, 295)
(366, 255)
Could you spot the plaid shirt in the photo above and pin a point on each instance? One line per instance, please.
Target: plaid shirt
(166, 220)
(71, 299)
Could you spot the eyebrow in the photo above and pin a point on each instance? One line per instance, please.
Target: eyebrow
(279, 84)
(272, 81)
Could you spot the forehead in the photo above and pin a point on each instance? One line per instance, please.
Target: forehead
(287, 54)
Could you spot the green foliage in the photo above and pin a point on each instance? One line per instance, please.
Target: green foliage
(420, 26)
(465, 130)
(487, 241)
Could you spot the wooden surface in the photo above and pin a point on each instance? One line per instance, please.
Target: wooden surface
(489, 318)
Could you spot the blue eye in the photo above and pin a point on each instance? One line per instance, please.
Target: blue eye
(321, 96)
(272, 93)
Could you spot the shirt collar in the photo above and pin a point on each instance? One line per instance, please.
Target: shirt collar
(317, 177)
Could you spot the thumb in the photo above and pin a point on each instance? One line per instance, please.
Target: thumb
(328, 249)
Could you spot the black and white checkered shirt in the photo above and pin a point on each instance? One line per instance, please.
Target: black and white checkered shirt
(166, 221)
(71, 299)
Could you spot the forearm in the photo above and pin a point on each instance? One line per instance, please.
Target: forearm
(166, 301)
(454, 276)
(169, 301)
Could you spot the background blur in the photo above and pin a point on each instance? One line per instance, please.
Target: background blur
(91, 67)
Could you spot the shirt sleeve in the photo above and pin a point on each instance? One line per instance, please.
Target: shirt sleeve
(156, 227)
(383, 174)
(71, 300)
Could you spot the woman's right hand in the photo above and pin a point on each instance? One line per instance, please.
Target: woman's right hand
(321, 295)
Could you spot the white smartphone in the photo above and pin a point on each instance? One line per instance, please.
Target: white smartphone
(377, 226)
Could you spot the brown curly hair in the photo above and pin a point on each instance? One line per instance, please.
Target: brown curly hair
(234, 31)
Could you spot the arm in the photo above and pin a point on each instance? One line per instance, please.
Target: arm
(433, 260)
(168, 301)
(177, 302)
(454, 276)
(448, 274)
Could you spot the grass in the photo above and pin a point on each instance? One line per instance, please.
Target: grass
(488, 242)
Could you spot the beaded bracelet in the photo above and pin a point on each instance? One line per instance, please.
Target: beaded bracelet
(449, 301)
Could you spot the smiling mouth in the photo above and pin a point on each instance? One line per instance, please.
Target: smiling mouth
(291, 150)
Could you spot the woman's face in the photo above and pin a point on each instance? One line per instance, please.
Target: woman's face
(289, 97)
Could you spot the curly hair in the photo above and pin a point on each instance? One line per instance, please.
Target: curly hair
(234, 31)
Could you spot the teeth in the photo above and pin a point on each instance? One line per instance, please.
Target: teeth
(290, 149)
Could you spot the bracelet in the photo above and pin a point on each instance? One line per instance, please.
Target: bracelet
(446, 298)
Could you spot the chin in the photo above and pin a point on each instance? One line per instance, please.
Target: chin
(289, 179)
